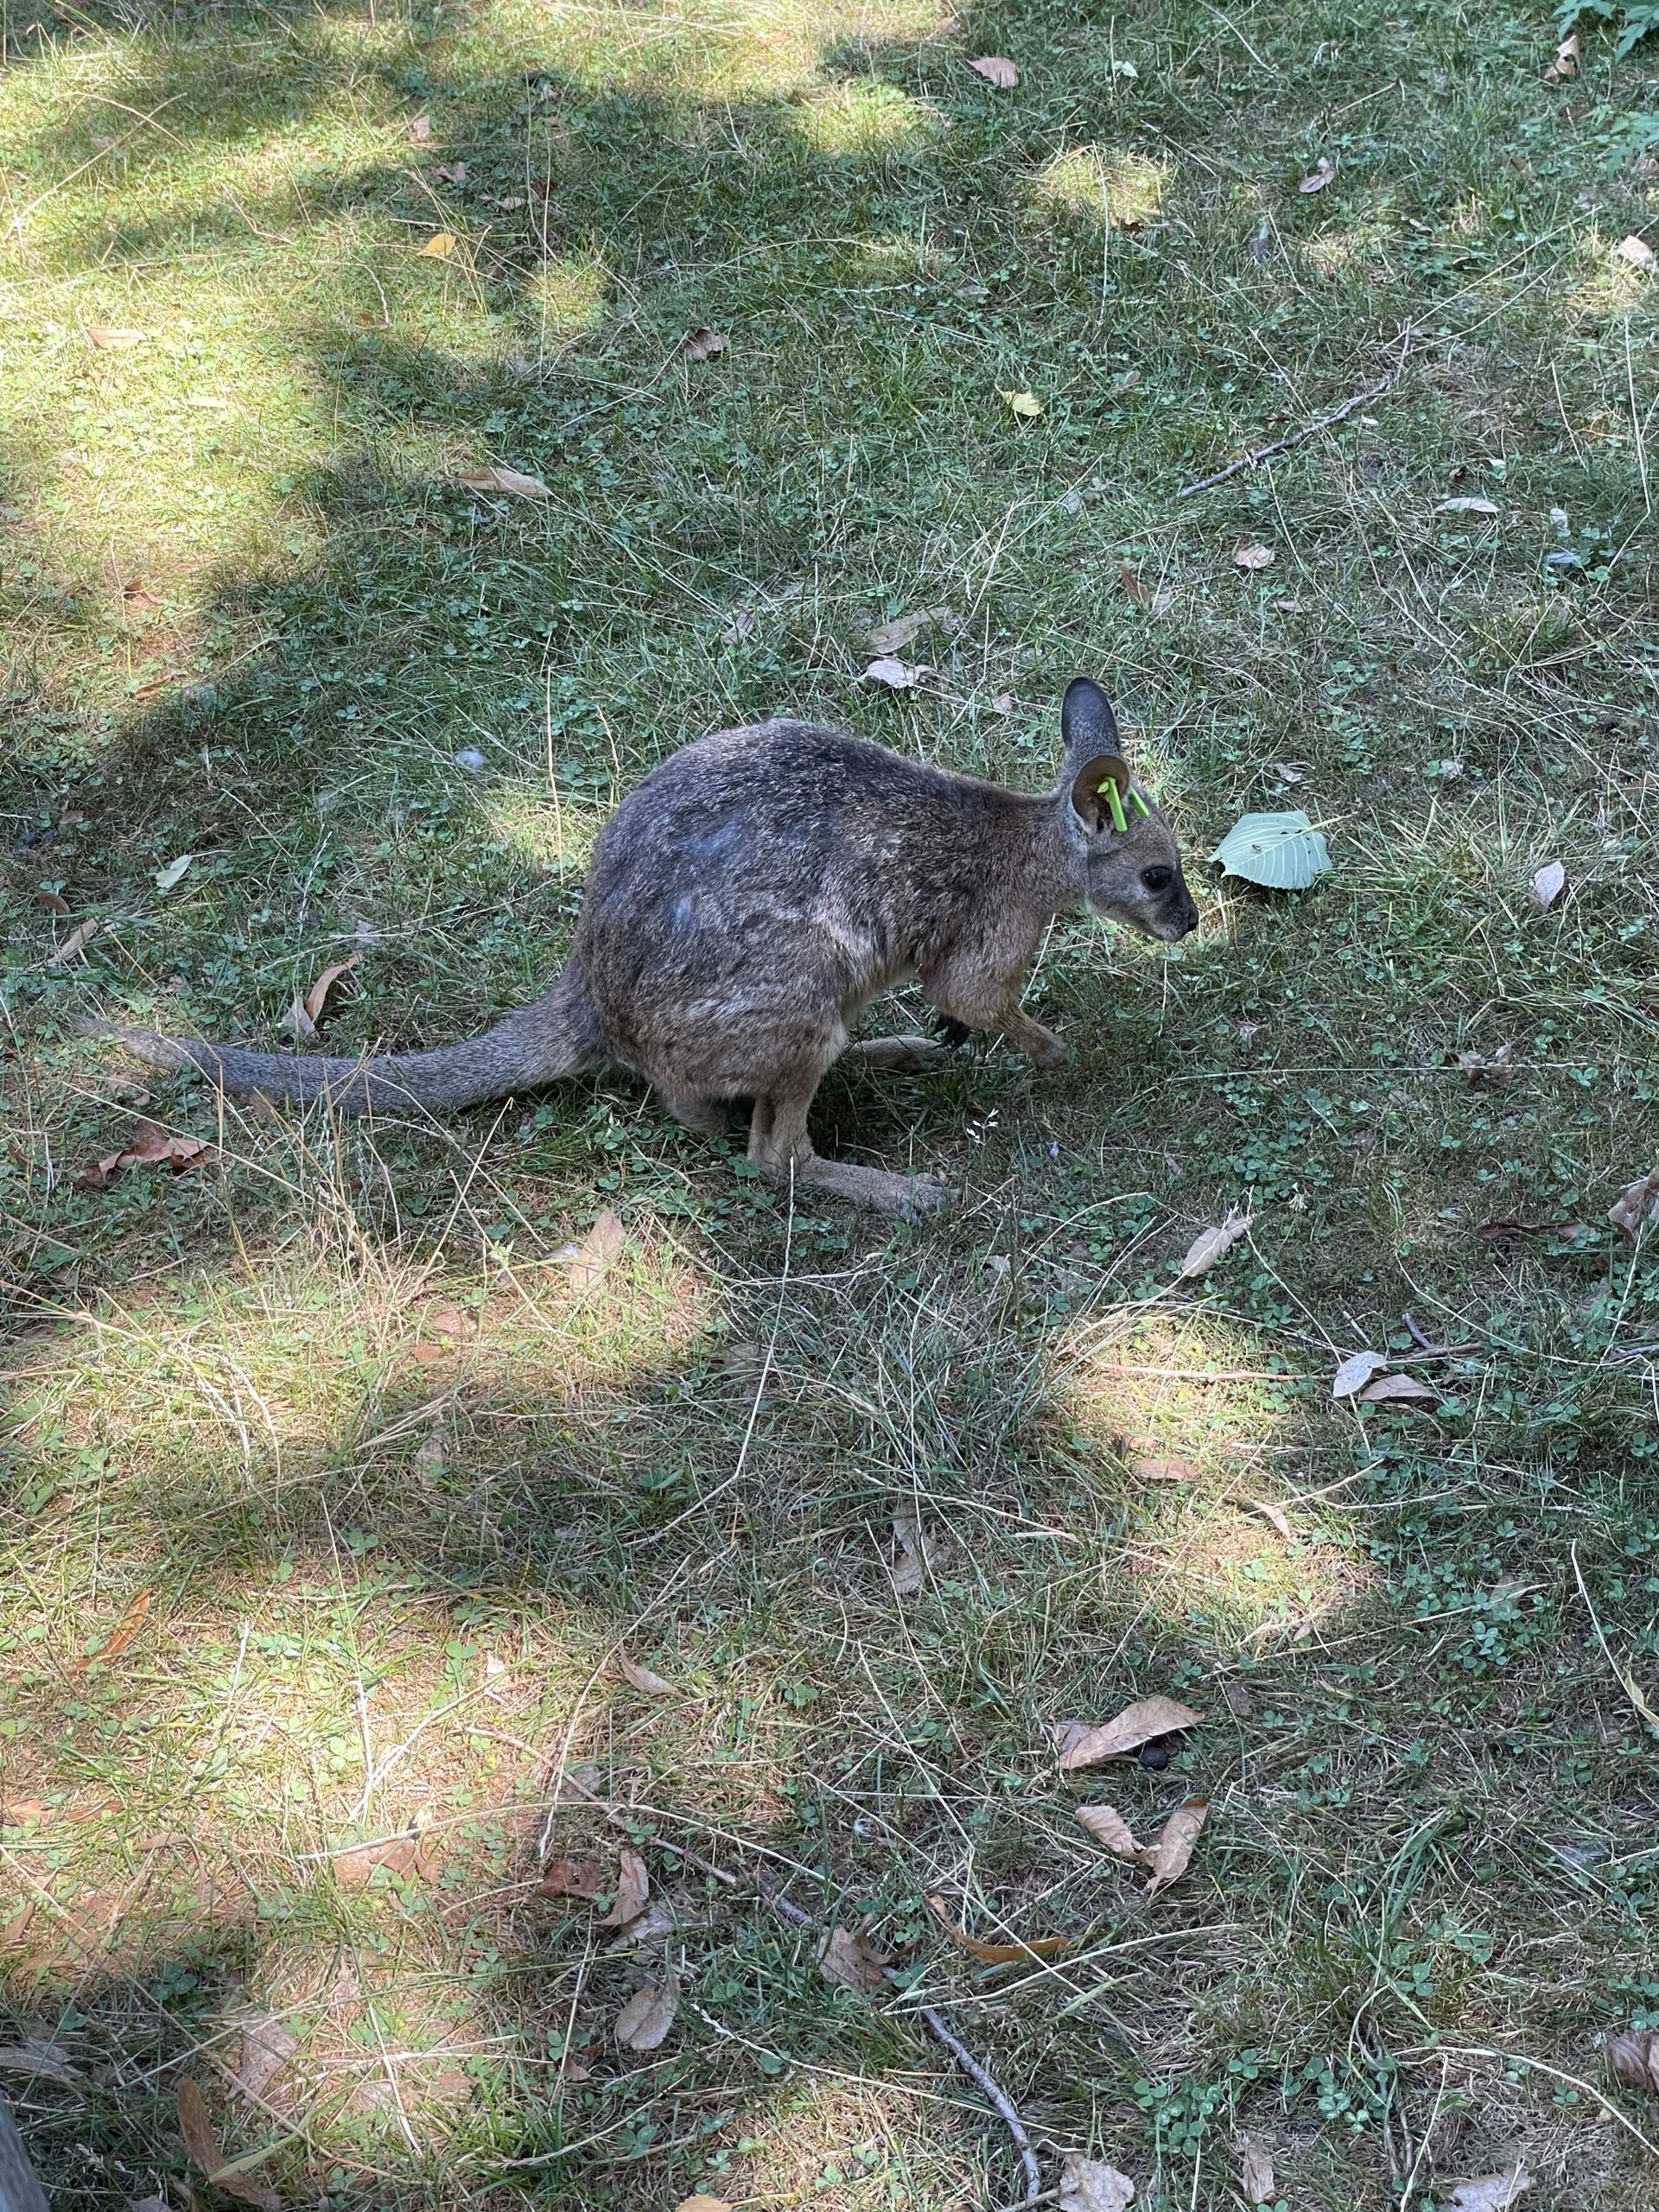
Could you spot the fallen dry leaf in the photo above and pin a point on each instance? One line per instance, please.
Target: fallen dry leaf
(399, 1855)
(420, 129)
(1256, 2171)
(633, 1889)
(1635, 250)
(1274, 1516)
(1136, 1724)
(1254, 557)
(44, 2059)
(702, 343)
(1164, 1471)
(574, 1878)
(304, 1015)
(1172, 1853)
(918, 1554)
(598, 1252)
(660, 1917)
(1489, 2192)
(203, 2147)
(1108, 1826)
(513, 481)
(165, 878)
(1356, 1371)
(148, 1146)
(1322, 172)
(1467, 507)
(73, 945)
(1547, 886)
(21, 1808)
(996, 69)
(122, 1634)
(845, 1956)
(643, 1679)
(1090, 2185)
(1000, 1954)
(439, 247)
(1566, 64)
(1497, 1070)
(1634, 2058)
(446, 1320)
(1505, 1232)
(451, 172)
(1133, 585)
(644, 2022)
(53, 901)
(1213, 1244)
(1025, 404)
(266, 2048)
(741, 628)
(1399, 1390)
(110, 340)
(1238, 1701)
(889, 638)
(896, 675)
(1637, 1204)
(702, 2204)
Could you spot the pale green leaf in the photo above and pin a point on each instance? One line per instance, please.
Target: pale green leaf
(1284, 851)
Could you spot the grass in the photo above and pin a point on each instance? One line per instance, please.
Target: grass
(364, 1502)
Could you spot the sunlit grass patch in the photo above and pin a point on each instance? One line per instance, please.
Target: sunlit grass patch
(232, 1386)
(738, 49)
(540, 823)
(1201, 1436)
(1187, 1386)
(1099, 185)
(864, 117)
(564, 300)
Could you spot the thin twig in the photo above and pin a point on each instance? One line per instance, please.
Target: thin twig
(1628, 1683)
(1260, 454)
(1427, 1349)
(976, 2074)
(964, 2058)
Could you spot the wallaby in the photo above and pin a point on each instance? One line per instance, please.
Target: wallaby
(750, 897)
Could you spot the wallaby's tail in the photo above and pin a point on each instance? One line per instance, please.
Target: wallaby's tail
(558, 1035)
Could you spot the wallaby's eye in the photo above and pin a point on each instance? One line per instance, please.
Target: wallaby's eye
(1157, 879)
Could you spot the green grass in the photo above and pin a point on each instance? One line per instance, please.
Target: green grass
(399, 1499)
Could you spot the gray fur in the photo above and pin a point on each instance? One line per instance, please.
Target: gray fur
(749, 898)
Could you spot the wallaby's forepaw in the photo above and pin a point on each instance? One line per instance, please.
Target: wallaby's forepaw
(900, 1055)
(1049, 1053)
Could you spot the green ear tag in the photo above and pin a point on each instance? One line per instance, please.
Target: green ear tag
(1141, 803)
(1109, 792)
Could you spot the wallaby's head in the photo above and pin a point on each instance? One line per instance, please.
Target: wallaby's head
(1129, 868)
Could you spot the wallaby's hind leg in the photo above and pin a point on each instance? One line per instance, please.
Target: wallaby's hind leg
(778, 1143)
(900, 1055)
(706, 1115)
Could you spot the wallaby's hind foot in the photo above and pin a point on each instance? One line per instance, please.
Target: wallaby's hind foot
(780, 1147)
(907, 1196)
(900, 1055)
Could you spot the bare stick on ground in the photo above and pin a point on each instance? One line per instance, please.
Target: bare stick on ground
(1259, 454)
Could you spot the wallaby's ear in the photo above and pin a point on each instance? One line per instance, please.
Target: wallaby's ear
(1087, 724)
(1106, 771)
